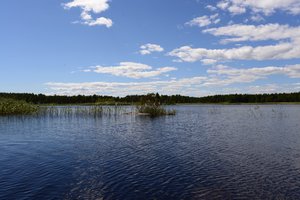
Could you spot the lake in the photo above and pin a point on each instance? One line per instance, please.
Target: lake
(203, 152)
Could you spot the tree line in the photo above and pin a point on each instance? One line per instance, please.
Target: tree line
(163, 99)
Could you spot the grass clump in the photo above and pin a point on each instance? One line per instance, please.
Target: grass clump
(16, 107)
(154, 111)
(150, 105)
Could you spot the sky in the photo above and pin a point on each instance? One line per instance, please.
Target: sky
(123, 47)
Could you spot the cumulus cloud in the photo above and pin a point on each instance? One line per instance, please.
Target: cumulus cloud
(288, 46)
(211, 8)
(235, 10)
(279, 51)
(259, 89)
(96, 6)
(204, 20)
(257, 18)
(267, 7)
(150, 48)
(182, 86)
(88, 7)
(130, 70)
(208, 61)
(240, 32)
(271, 88)
(99, 21)
(219, 77)
(234, 75)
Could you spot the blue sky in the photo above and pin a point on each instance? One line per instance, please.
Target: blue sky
(188, 47)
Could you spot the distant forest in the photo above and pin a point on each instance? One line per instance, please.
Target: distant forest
(164, 99)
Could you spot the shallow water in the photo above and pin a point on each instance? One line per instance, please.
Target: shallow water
(203, 152)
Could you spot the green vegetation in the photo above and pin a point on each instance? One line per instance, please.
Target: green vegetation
(154, 111)
(16, 107)
(109, 101)
(164, 99)
(150, 105)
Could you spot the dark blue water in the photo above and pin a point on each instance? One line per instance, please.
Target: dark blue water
(204, 152)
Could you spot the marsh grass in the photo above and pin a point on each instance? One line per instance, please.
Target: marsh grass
(150, 105)
(80, 111)
(154, 110)
(16, 107)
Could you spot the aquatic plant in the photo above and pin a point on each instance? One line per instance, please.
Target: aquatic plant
(150, 105)
(16, 107)
(154, 111)
(83, 111)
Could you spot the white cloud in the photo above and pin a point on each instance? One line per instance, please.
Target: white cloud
(86, 16)
(258, 89)
(288, 46)
(204, 20)
(223, 5)
(236, 10)
(211, 8)
(185, 86)
(130, 70)
(270, 88)
(88, 7)
(100, 21)
(208, 61)
(266, 7)
(240, 32)
(257, 18)
(270, 52)
(233, 75)
(217, 80)
(96, 6)
(150, 48)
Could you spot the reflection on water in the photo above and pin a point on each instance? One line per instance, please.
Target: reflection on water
(204, 152)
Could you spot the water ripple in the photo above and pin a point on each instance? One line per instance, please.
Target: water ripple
(204, 152)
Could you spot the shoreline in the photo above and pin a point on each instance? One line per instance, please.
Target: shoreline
(124, 104)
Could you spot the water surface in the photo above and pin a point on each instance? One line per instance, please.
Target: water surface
(203, 152)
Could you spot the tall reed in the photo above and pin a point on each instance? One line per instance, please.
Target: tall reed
(16, 107)
(83, 111)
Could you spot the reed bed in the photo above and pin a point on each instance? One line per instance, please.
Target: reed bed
(82, 111)
(16, 107)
